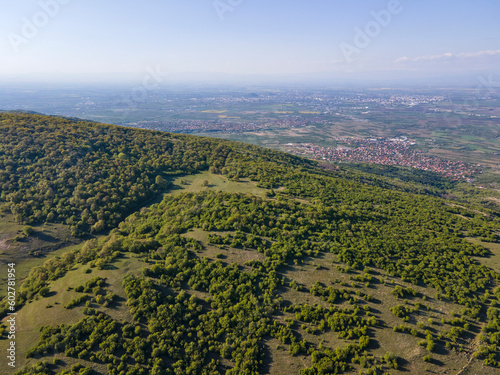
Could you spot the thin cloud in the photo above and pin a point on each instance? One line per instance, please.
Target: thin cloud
(465, 56)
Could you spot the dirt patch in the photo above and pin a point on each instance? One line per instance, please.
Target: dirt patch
(3, 245)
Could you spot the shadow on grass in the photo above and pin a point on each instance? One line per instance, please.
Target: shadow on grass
(116, 303)
(44, 237)
(436, 362)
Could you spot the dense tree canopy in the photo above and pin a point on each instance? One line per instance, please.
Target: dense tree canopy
(194, 315)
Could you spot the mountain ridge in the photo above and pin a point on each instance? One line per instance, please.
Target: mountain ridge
(247, 246)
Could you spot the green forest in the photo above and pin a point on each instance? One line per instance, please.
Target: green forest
(205, 256)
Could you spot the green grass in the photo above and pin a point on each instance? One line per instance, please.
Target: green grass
(207, 181)
(47, 240)
(224, 253)
(493, 260)
(24, 265)
(404, 344)
(280, 362)
(384, 339)
(50, 310)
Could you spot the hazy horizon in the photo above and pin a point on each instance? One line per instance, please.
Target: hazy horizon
(241, 41)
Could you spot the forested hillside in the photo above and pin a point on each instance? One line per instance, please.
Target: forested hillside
(91, 175)
(203, 256)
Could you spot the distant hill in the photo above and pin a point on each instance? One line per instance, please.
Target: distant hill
(21, 111)
(204, 256)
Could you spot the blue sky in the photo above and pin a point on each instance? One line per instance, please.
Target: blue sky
(68, 39)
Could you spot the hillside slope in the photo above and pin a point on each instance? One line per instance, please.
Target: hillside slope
(228, 258)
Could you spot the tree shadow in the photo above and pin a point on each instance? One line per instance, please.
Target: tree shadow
(44, 237)
(403, 364)
(436, 362)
